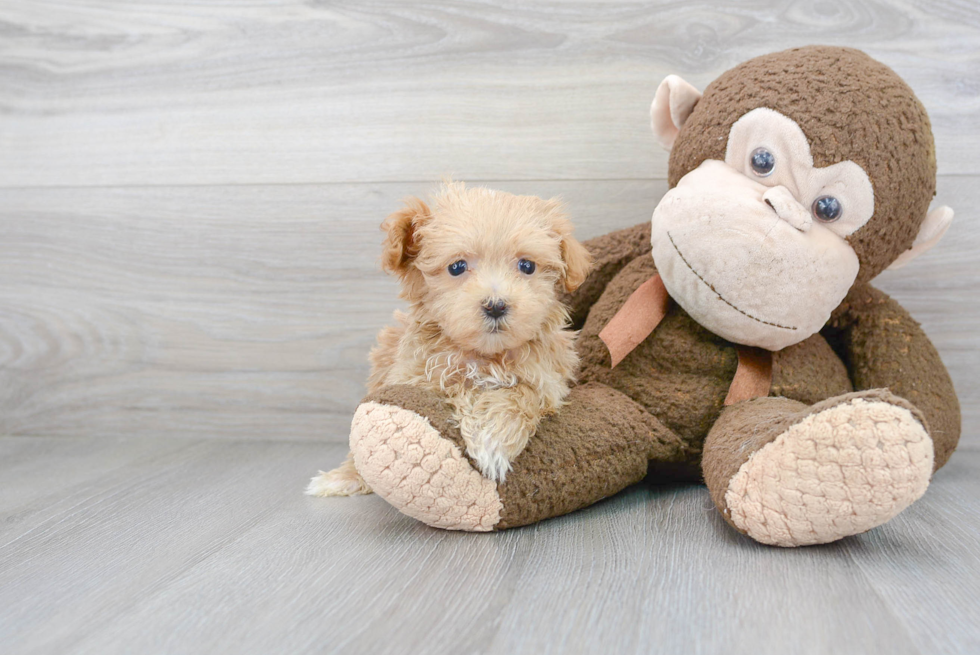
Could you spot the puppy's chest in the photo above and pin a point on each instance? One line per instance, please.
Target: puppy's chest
(455, 374)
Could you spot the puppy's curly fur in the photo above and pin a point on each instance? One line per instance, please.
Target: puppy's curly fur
(489, 333)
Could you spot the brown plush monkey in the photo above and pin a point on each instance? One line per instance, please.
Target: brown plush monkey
(750, 351)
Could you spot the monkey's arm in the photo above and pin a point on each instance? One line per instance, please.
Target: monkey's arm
(611, 253)
(884, 347)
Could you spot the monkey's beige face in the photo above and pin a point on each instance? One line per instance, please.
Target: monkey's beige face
(490, 272)
(754, 247)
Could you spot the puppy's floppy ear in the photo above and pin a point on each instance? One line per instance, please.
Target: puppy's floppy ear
(577, 260)
(401, 244)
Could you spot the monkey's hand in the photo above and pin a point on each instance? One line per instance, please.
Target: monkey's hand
(885, 348)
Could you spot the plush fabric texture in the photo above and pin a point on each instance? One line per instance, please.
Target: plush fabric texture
(718, 224)
(884, 347)
(753, 377)
(600, 444)
(636, 319)
(595, 447)
(682, 373)
(672, 104)
(746, 428)
(850, 107)
(651, 414)
(610, 253)
(838, 472)
(931, 231)
(857, 415)
(795, 176)
(809, 372)
(740, 431)
(406, 461)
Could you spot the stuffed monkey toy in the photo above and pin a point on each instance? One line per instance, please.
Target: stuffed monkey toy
(735, 339)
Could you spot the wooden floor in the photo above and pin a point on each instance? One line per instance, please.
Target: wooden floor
(208, 546)
(190, 196)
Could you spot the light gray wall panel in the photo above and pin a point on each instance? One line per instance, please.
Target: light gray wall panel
(248, 311)
(122, 93)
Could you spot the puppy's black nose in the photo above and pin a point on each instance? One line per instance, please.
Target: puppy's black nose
(494, 309)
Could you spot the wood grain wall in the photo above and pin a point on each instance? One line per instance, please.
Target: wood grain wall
(190, 193)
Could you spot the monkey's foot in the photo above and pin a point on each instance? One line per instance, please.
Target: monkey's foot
(839, 471)
(409, 464)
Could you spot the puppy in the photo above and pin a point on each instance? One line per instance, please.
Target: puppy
(481, 271)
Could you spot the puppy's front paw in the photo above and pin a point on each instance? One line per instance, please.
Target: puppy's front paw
(342, 481)
(490, 457)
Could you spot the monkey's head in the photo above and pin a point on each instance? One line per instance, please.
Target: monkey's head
(793, 177)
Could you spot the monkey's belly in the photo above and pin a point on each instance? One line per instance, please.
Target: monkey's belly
(681, 374)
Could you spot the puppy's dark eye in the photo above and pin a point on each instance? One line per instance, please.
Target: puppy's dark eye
(457, 268)
(525, 266)
(762, 162)
(827, 209)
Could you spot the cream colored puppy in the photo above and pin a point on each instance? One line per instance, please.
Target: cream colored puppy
(481, 271)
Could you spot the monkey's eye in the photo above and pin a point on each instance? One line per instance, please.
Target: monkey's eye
(827, 209)
(525, 266)
(457, 268)
(762, 162)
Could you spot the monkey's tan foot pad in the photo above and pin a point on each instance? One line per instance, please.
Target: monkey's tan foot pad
(838, 472)
(411, 465)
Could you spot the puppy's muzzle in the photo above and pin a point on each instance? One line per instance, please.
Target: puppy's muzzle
(494, 309)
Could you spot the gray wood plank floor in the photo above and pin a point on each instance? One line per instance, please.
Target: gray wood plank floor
(207, 546)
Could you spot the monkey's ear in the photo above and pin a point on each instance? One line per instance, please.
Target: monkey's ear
(401, 245)
(930, 232)
(672, 105)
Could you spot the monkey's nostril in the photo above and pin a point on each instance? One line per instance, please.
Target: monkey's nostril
(787, 207)
(494, 309)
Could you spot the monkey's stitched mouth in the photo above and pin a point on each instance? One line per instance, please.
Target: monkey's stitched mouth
(720, 297)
